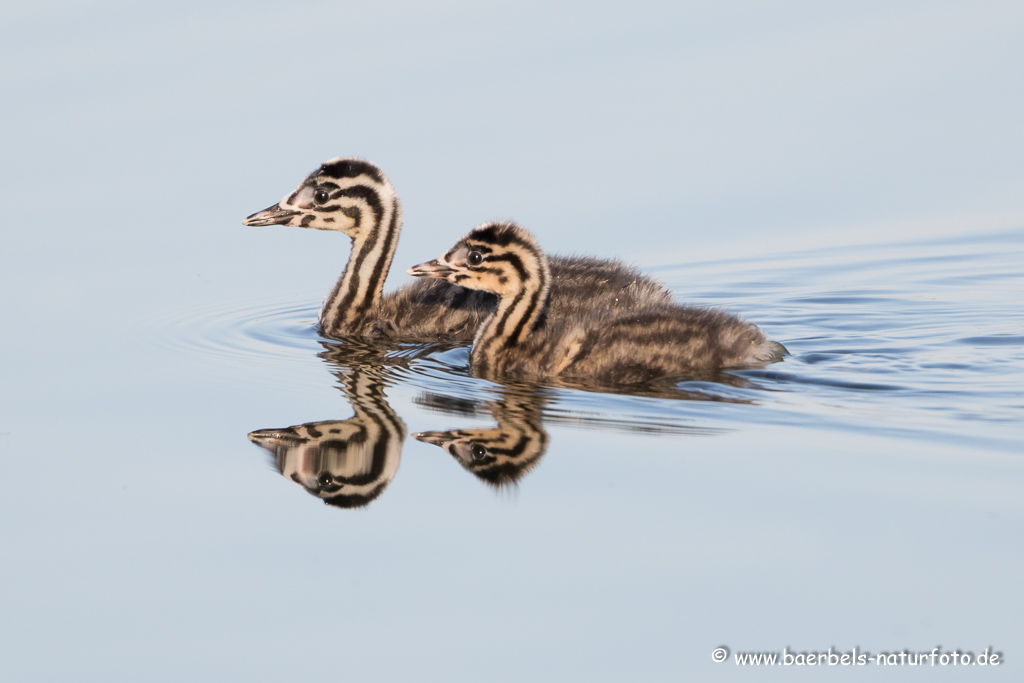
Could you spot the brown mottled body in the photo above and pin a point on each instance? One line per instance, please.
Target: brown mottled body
(660, 340)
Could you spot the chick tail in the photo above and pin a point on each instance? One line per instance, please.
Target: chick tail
(778, 351)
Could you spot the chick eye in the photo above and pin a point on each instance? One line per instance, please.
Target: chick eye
(321, 196)
(475, 258)
(325, 479)
(478, 451)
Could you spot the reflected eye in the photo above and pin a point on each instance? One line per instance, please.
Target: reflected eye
(325, 479)
(478, 451)
(320, 196)
(475, 258)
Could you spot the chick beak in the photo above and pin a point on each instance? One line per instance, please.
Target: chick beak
(273, 215)
(265, 436)
(432, 269)
(433, 438)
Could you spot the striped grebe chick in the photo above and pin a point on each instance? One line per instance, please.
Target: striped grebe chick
(354, 197)
(608, 347)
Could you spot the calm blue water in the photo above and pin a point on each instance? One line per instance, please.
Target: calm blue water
(920, 340)
(847, 177)
(864, 492)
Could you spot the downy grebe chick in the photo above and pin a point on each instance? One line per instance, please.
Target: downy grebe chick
(353, 196)
(657, 341)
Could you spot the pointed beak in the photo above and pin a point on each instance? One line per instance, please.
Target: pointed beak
(262, 436)
(433, 438)
(274, 215)
(431, 269)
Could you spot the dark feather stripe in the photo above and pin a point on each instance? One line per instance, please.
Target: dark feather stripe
(527, 317)
(510, 261)
(355, 500)
(384, 411)
(350, 168)
(354, 213)
(384, 264)
(516, 450)
(494, 234)
(355, 290)
(537, 281)
(515, 261)
(381, 416)
(368, 195)
(352, 277)
(499, 328)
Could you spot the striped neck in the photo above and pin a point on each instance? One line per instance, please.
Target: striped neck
(520, 441)
(345, 463)
(358, 291)
(377, 448)
(518, 314)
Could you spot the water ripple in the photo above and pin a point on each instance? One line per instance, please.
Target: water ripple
(906, 339)
(282, 331)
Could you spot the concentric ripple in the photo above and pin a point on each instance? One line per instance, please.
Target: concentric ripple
(281, 331)
(920, 340)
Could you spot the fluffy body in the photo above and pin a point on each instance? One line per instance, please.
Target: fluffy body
(655, 343)
(607, 346)
(440, 311)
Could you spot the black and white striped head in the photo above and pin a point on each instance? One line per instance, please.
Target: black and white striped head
(343, 462)
(501, 258)
(499, 456)
(346, 194)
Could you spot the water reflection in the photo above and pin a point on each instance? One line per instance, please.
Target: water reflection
(499, 455)
(346, 463)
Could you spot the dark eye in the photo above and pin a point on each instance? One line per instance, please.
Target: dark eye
(478, 451)
(325, 479)
(321, 196)
(475, 258)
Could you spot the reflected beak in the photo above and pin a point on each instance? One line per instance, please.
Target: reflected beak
(262, 436)
(431, 269)
(433, 438)
(274, 215)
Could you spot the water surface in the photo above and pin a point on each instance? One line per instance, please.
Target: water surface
(919, 340)
(847, 177)
(863, 492)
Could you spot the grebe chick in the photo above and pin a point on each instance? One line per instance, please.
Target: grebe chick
(354, 197)
(657, 341)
